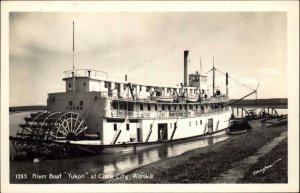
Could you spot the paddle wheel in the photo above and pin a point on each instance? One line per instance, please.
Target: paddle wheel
(268, 112)
(41, 130)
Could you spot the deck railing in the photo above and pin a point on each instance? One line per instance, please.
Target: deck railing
(114, 96)
(85, 73)
(165, 114)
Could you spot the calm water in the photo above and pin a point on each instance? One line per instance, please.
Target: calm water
(94, 169)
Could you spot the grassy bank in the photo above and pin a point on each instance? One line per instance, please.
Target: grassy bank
(203, 165)
(276, 173)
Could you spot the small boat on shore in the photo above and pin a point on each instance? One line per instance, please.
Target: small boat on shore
(238, 127)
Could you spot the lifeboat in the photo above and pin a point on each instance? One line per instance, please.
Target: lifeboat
(164, 98)
(192, 99)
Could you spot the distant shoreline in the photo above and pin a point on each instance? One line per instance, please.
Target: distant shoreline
(18, 109)
(261, 102)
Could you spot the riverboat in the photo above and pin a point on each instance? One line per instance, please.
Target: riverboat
(98, 115)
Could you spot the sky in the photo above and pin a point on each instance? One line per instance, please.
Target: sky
(250, 46)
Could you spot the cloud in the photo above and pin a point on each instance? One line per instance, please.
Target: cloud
(249, 81)
(271, 71)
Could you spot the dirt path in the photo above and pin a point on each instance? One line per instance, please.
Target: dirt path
(240, 168)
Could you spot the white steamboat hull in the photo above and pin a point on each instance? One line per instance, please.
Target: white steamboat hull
(146, 133)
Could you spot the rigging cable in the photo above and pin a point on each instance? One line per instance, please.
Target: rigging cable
(236, 80)
(149, 60)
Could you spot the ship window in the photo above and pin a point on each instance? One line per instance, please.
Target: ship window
(156, 107)
(141, 107)
(124, 86)
(70, 86)
(175, 107)
(80, 103)
(116, 85)
(127, 127)
(200, 122)
(148, 89)
(169, 107)
(196, 106)
(70, 103)
(131, 106)
(149, 107)
(105, 84)
(141, 87)
(191, 107)
(115, 127)
(185, 107)
(84, 84)
(180, 107)
(115, 105)
(163, 107)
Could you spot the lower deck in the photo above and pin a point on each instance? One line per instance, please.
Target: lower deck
(128, 130)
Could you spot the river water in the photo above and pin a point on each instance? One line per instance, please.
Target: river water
(95, 169)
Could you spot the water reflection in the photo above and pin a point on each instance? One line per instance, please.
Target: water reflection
(163, 152)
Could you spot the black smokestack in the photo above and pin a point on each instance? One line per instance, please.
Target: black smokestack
(186, 56)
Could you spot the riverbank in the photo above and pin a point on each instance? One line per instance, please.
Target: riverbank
(205, 165)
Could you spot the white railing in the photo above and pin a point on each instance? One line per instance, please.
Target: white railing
(165, 114)
(144, 98)
(85, 73)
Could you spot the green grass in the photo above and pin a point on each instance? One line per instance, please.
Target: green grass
(275, 174)
(203, 165)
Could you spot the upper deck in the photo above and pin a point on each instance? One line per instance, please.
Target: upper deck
(88, 80)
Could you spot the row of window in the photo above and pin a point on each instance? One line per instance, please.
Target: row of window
(196, 79)
(190, 123)
(128, 125)
(148, 88)
(116, 127)
(80, 103)
(123, 106)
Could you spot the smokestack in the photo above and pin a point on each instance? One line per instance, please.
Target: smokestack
(186, 58)
(226, 84)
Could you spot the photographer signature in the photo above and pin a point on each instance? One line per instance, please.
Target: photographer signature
(265, 168)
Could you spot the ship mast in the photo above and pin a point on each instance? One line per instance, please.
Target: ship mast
(73, 73)
(213, 75)
(200, 67)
